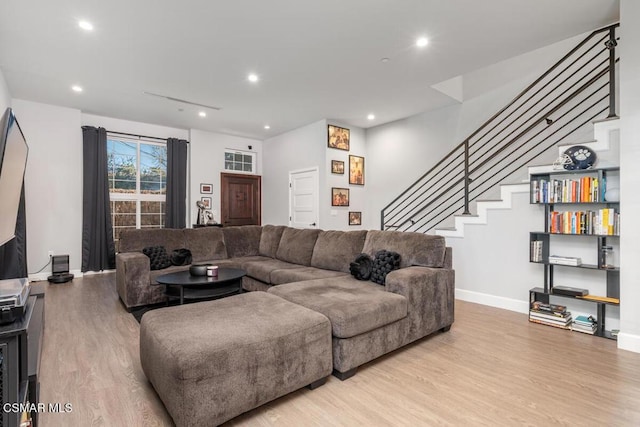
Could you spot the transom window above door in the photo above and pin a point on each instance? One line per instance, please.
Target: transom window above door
(240, 161)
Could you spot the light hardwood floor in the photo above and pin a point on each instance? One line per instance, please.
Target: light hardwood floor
(492, 368)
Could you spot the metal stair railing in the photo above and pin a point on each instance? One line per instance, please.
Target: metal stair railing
(576, 90)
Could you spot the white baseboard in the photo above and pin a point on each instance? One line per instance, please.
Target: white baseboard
(45, 274)
(493, 301)
(629, 342)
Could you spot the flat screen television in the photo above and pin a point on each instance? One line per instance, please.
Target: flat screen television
(13, 161)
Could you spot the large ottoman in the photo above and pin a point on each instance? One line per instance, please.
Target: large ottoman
(214, 360)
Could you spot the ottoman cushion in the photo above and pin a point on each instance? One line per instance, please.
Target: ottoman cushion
(353, 307)
(214, 360)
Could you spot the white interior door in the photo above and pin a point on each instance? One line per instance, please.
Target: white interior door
(303, 199)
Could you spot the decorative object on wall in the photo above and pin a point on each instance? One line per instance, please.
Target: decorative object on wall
(338, 138)
(355, 218)
(356, 170)
(206, 189)
(206, 201)
(337, 166)
(339, 196)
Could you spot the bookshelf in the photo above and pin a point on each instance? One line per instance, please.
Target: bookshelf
(576, 207)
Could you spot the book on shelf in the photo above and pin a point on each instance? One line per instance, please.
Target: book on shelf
(542, 322)
(565, 260)
(536, 250)
(543, 306)
(553, 321)
(585, 320)
(586, 189)
(604, 222)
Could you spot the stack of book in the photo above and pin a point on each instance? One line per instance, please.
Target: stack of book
(550, 314)
(584, 324)
(564, 260)
(579, 190)
(536, 250)
(604, 222)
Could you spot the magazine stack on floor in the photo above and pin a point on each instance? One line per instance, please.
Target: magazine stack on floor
(550, 314)
(584, 324)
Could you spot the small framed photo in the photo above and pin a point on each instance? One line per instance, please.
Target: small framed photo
(356, 170)
(337, 167)
(206, 189)
(339, 196)
(206, 201)
(338, 138)
(355, 218)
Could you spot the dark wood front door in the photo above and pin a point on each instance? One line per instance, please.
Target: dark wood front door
(241, 197)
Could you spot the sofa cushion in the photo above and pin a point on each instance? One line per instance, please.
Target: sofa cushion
(270, 239)
(205, 243)
(132, 240)
(158, 257)
(261, 270)
(296, 245)
(242, 241)
(352, 306)
(289, 275)
(414, 248)
(334, 250)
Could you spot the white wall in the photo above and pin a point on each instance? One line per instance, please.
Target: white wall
(5, 96)
(294, 150)
(207, 162)
(304, 148)
(629, 337)
(53, 182)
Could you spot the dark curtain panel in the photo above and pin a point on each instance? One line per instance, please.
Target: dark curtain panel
(98, 250)
(13, 254)
(176, 183)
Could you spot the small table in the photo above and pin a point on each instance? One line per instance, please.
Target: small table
(184, 286)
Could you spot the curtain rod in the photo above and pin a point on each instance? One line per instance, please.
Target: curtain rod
(138, 136)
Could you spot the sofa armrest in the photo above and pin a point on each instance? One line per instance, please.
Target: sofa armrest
(132, 277)
(430, 293)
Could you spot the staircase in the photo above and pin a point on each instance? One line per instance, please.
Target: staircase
(605, 144)
(537, 125)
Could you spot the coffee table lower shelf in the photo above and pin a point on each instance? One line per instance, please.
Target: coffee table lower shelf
(185, 287)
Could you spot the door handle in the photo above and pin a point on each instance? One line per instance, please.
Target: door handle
(313, 224)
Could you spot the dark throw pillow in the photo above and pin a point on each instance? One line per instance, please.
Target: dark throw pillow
(383, 263)
(361, 267)
(158, 257)
(181, 256)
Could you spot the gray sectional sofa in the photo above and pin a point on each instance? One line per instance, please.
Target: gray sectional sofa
(310, 267)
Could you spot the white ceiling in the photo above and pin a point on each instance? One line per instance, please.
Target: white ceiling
(315, 59)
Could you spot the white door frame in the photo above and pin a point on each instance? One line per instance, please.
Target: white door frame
(315, 169)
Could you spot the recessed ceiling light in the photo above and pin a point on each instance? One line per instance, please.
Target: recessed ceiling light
(371, 117)
(85, 25)
(202, 114)
(422, 42)
(384, 60)
(267, 127)
(253, 78)
(76, 88)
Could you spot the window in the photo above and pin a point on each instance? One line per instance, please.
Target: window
(240, 161)
(137, 183)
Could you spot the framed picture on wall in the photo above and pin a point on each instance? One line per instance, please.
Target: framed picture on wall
(337, 167)
(338, 138)
(339, 196)
(355, 218)
(356, 170)
(206, 201)
(206, 189)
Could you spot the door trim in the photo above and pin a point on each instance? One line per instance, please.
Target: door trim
(315, 169)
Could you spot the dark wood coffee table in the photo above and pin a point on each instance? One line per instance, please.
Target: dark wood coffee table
(184, 286)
